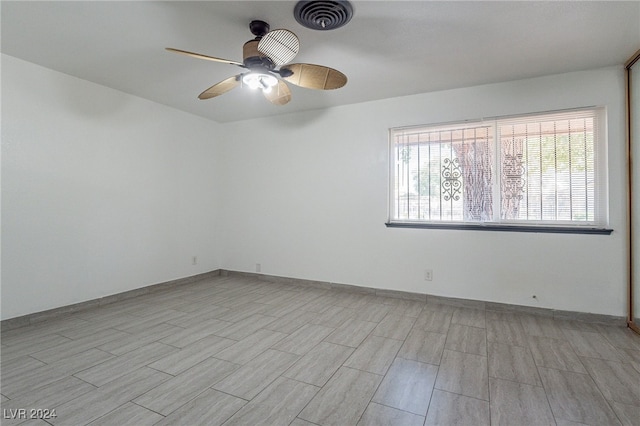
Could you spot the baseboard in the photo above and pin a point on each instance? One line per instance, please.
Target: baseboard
(37, 317)
(452, 301)
(30, 319)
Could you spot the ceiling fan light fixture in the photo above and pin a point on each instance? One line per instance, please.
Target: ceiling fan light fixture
(263, 56)
(257, 80)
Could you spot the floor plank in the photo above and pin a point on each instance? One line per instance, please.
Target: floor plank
(343, 399)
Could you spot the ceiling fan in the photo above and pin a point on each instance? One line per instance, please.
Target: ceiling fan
(266, 59)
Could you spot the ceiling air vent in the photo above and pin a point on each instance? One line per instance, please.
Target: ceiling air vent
(323, 15)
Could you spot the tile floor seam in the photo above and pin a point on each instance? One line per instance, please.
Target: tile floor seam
(560, 369)
(613, 410)
(610, 402)
(603, 359)
(83, 381)
(459, 394)
(546, 397)
(287, 378)
(227, 393)
(160, 371)
(396, 408)
(372, 394)
(515, 381)
(131, 401)
(220, 359)
(309, 402)
(467, 353)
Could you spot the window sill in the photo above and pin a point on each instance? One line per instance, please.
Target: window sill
(508, 228)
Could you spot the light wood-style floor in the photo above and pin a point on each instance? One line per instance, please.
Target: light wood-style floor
(237, 351)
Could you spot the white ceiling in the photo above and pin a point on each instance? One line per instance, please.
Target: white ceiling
(389, 49)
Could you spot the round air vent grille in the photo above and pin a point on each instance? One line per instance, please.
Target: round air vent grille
(323, 15)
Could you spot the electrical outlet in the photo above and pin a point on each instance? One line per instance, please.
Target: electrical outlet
(258, 267)
(428, 274)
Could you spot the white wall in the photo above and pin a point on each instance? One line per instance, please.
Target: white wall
(102, 192)
(306, 197)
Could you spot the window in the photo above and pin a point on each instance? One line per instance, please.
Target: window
(543, 170)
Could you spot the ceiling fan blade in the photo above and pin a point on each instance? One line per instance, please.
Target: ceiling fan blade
(208, 58)
(281, 46)
(279, 94)
(315, 76)
(220, 88)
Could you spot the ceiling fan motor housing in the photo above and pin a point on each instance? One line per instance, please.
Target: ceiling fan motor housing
(252, 57)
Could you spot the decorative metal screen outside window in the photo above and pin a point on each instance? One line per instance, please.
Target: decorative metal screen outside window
(544, 169)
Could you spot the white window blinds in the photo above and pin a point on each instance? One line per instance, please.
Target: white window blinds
(536, 169)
